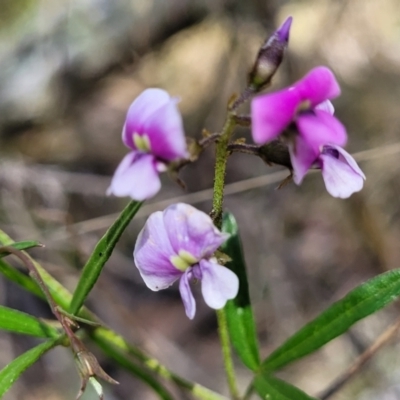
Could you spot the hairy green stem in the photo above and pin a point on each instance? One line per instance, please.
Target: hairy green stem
(221, 158)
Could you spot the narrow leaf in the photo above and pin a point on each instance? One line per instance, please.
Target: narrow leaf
(100, 255)
(337, 319)
(19, 322)
(20, 246)
(11, 372)
(20, 278)
(271, 388)
(239, 313)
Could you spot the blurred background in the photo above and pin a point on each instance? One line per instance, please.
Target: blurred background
(69, 69)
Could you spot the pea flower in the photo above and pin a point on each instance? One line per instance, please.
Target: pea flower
(319, 134)
(179, 243)
(154, 132)
(342, 175)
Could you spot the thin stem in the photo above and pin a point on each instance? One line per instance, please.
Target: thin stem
(383, 339)
(244, 96)
(227, 354)
(221, 158)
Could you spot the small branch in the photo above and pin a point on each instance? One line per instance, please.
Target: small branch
(243, 97)
(382, 340)
(237, 147)
(242, 120)
(275, 152)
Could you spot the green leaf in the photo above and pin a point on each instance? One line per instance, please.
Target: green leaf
(11, 372)
(239, 313)
(19, 322)
(100, 255)
(20, 279)
(271, 388)
(20, 246)
(337, 319)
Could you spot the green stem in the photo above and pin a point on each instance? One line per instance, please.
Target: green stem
(221, 158)
(227, 354)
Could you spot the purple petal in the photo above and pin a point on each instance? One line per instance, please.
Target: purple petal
(342, 175)
(326, 106)
(187, 296)
(192, 230)
(319, 127)
(142, 109)
(165, 132)
(302, 157)
(318, 85)
(284, 30)
(272, 113)
(152, 254)
(136, 177)
(218, 285)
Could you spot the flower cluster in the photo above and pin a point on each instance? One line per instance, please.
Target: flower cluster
(179, 243)
(319, 136)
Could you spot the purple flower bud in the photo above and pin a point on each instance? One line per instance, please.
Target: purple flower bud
(154, 132)
(180, 242)
(270, 57)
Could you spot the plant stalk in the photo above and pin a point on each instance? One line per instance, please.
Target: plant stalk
(221, 158)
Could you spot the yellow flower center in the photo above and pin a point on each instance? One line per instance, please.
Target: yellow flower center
(183, 260)
(142, 142)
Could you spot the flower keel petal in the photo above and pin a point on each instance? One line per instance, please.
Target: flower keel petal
(218, 285)
(187, 296)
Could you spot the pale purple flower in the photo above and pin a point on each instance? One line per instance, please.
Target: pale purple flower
(342, 175)
(180, 242)
(154, 132)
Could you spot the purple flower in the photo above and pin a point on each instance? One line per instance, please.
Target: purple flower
(153, 130)
(179, 243)
(307, 105)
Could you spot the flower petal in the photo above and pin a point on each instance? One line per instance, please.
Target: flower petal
(187, 296)
(302, 157)
(218, 285)
(342, 175)
(272, 113)
(192, 230)
(142, 108)
(152, 254)
(325, 106)
(165, 132)
(319, 127)
(136, 177)
(318, 85)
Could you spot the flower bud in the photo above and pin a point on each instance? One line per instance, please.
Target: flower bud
(270, 57)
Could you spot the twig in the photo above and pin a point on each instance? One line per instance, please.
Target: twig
(383, 339)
